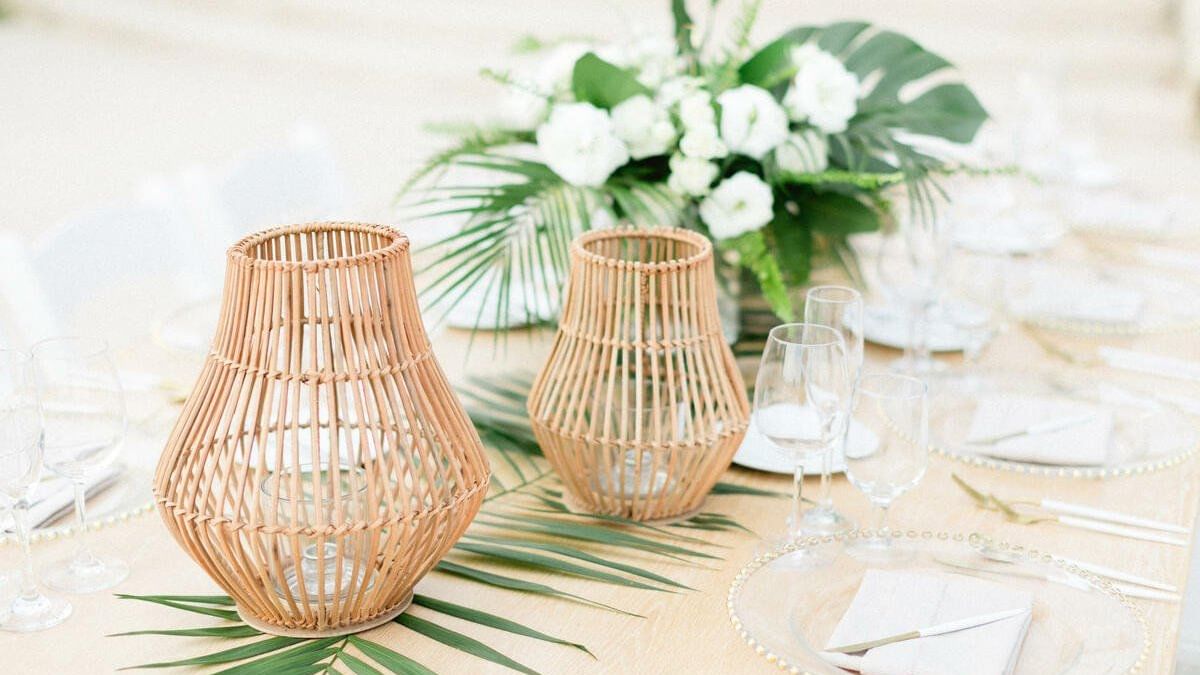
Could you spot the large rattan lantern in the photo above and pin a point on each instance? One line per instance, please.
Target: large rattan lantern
(322, 464)
(640, 406)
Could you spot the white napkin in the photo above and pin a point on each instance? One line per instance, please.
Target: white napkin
(1165, 256)
(53, 495)
(1086, 443)
(1110, 210)
(1150, 364)
(1057, 296)
(890, 602)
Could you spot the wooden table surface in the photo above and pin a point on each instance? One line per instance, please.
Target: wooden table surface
(685, 632)
(105, 103)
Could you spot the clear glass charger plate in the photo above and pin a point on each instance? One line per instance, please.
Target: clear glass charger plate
(1103, 299)
(786, 608)
(126, 496)
(1146, 434)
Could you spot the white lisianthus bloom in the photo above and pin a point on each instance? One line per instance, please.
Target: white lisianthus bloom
(523, 110)
(655, 59)
(804, 152)
(645, 127)
(752, 123)
(696, 110)
(823, 93)
(691, 176)
(579, 144)
(741, 203)
(703, 142)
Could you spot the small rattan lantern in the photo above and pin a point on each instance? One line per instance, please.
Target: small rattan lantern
(640, 406)
(322, 464)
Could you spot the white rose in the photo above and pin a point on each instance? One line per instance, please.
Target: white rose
(691, 176)
(823, 92)
(803, 152)
(752, 123)
(696, 110)
(741, 203)
(703, 142)
(578, 143)
(645, 127)
(522, 109)
(655, 59)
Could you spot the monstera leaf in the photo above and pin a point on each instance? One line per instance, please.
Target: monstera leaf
(891, 61)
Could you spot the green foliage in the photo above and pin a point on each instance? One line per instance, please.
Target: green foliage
(753, 254)
(602, 84)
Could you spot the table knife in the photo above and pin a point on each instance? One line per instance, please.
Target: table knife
(939, 629)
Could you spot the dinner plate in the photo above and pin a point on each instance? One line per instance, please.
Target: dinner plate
(1025, 233)
(786, 602)
(757, 452)
(1147, 432)
(887, 325)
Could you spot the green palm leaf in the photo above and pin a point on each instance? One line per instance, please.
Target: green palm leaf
(461, 642)
(492, 621)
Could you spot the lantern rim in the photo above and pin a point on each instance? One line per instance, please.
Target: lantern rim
(243, 252)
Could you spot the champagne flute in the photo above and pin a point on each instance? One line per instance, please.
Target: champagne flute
(20, 469)
(894, 409)
(912, 262)
(84, 412)
(841, 309)
(801, 397)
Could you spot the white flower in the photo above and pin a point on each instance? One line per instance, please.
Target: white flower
(578, 143)
(645, 128)
(823, 92)
(691, 176)
(522, 109)
(803, 152)
(752, 123)
(696, 110)
(741, 203)
(703, 142)
(675, 89)
(555, 71)
(655, 59)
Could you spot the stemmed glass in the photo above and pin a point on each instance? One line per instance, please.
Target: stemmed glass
(20, 469)
(841, 309)
(894, 409)
(84, 412)
(801, 398)
(979, 281)
(912, 262)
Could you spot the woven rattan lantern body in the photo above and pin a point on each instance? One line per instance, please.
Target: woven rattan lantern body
(640, 406)
(322, 464)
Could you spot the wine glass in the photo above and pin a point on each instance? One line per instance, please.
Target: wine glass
(894, 410)
(841, 309)
(978, 281)
(912, 262)
(84, 412)
(801, 397)
(20, 469)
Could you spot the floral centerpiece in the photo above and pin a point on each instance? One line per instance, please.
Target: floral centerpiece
(777, 154)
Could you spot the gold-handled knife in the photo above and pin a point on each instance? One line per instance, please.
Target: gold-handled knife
(940, 629)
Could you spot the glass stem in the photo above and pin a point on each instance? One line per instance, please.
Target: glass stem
(921, 353)
(881, 526)
(796, 523)
(83, 554)
(825, 496)
(20, 514)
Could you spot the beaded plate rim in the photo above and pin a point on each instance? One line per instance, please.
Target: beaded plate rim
(1028, 553)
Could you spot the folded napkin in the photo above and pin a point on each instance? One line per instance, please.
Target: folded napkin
(1085, 443)
(1150, 364)
(891, 602)
(1165, 256)
(1120, 212)
(54, 496)
(1057, 296)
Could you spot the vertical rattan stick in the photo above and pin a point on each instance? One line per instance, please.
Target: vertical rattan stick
(640, 406)
(322, 464)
